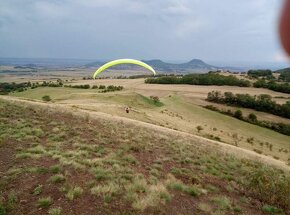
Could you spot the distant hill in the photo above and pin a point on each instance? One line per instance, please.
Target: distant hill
(94, 64)
(283, 70)
(159, 65)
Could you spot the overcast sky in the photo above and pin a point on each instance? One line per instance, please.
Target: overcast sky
(223, 30)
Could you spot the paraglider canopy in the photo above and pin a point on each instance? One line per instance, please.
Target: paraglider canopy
(123, 61)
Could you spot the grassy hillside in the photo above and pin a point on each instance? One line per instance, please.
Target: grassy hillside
(53, 162)
(174, 112)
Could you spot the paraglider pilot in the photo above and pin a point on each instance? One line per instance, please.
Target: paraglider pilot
(127, 110)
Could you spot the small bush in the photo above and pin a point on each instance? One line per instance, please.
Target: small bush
(155, 98)
(199, 128)
(252, 117)
(46, 98)
(238, 114)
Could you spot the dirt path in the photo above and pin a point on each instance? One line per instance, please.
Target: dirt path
(236, 151)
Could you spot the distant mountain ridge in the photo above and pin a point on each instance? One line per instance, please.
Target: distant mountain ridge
(193, 65)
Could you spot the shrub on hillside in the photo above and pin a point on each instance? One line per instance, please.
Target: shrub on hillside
(238, 114)
(252, 117)
(155, 98)
(46, 98)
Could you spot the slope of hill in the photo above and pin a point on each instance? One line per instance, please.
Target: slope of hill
(57, 162)
(193, 65)
(283, 70)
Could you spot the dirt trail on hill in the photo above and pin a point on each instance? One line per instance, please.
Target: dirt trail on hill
(214, 145)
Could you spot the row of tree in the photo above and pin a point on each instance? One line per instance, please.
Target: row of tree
(112, 88)
(200, 79)
(220, 80)
(85, 86)
(261, 73)
(252, 118)
(261, 102)
(272, 85)
(6, 88)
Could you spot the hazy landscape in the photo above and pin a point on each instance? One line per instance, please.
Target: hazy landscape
(69, 140)
(164, 107)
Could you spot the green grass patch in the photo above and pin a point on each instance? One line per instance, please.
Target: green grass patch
(268, 209)
(44, 202)
(58, 178)
(74, 192)
(55, 211)
(37, 190)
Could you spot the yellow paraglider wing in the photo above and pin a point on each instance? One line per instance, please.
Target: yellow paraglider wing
(123, 61)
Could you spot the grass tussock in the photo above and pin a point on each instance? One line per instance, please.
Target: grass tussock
(74, 192)
(55, 211)
(44, 202)
(58, 178)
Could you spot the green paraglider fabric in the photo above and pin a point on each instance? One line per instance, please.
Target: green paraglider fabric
(123, 61)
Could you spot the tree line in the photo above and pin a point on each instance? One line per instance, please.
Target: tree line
(85, 86)
(200, 79)
(252, 118)
(261, 102)
(6, 88)
(272, 85)
(221, 80)
(261, 73)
